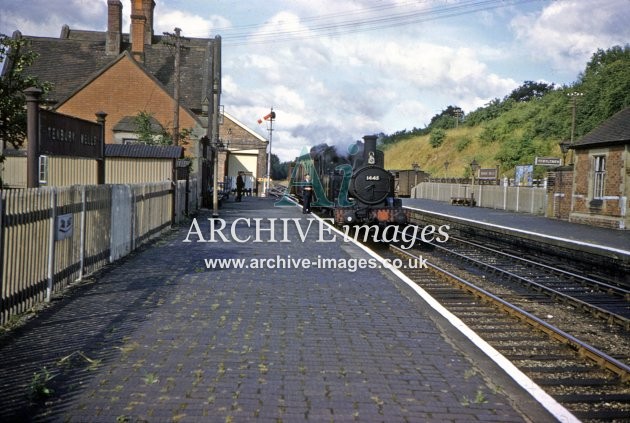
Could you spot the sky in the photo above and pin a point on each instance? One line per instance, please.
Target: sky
(336, 70)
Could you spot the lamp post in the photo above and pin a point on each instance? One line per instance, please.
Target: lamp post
(216, 148)
(474, 166)
(416, 168)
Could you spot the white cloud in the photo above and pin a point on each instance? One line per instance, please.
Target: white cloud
(46, 17)
(567, 33)
(191, 25)
(330, 84)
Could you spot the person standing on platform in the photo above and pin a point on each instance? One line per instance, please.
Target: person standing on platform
(307, 193)
(240, 185)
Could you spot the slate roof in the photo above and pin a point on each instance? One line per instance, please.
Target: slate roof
(615, 130)
(129, 124)
(143, 151)
(77, 56)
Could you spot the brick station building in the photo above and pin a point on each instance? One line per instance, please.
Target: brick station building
(124, 74)
(601, 175)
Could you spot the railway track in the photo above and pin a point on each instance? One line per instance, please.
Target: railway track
(592, 384)
(602, 299)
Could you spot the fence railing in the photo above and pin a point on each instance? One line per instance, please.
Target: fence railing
(51, 237)
(187, 200)
(519, 199)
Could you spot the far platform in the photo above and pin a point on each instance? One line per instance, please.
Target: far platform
(614, 241)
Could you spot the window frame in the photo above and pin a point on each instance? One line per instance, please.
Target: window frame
(42, 169)
(599, 176)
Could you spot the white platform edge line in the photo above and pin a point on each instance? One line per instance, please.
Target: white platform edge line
(603, 247)
(547, 401)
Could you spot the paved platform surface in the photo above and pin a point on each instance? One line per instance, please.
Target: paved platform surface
(160, 337)
(610, 238)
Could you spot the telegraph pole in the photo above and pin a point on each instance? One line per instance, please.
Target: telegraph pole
(178, 45)
(272, 116)
(176, 80)
(458, 115)
(574, 96)
(216, 101)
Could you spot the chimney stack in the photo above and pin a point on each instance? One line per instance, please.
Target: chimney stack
(148, 6)
(137, 33)
(114, 27)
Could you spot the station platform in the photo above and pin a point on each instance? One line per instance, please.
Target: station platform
(615, 243)
(171, 334)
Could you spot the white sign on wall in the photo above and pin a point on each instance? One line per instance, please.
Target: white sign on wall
(64, 227)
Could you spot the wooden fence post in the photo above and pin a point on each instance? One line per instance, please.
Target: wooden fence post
(51, 244)
(82, 246)
(2, 311)
(100, 119)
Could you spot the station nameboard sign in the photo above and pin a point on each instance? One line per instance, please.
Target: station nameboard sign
(547, 161)
(61, 135)
(490, 173)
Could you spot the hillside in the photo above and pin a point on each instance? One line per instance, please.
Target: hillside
(531, 121)
(459, 148)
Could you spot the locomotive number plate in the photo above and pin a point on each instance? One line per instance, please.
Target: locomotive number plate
(373, 178)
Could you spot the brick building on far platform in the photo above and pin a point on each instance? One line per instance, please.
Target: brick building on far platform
(601, 175)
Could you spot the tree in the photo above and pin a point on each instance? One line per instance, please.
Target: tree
(151, 132)
(446, 119)
(605, 85)
(530, 90)
(279, 171)
(16, 56)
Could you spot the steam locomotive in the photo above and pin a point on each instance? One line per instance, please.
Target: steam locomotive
(353, 188)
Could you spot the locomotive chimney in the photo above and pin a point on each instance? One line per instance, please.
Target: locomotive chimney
(369, 150)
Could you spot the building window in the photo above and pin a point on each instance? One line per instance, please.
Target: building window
(600, 176)
(43, 170)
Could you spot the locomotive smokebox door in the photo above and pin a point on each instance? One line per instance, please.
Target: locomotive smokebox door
(371, 185)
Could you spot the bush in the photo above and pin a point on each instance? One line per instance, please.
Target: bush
(437, 137)
(462, 143)
(488, 134)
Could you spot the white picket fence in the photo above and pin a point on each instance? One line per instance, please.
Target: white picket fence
(51, 237)
(518, 199)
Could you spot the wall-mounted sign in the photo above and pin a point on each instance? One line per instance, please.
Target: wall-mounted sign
(63, 227)
(488, 173)
(61, 135)
(547, 161)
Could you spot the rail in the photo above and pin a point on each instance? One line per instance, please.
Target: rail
(588, 351)
(594, 283)
(569, 299)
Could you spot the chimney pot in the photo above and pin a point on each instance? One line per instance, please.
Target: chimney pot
(114, 27)
(147, 7)
(137, 33)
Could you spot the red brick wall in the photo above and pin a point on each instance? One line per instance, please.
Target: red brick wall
(561, 194)
(610, 213)
(125, 90)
